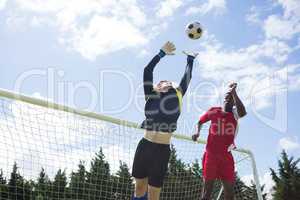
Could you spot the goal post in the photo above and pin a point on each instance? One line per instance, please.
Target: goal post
(53, 151)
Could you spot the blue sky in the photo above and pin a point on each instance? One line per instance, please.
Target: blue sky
(97, 50)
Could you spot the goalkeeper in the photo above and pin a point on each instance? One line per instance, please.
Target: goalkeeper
(162, 109)
(217, 160)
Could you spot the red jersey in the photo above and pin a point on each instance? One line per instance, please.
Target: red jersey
(222, 130)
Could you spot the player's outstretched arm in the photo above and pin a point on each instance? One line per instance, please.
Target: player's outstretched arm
(186, 79)
(167, 49)
(197, 134)
(203, 119)
(241, 110)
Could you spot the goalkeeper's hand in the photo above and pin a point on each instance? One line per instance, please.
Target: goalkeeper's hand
(191, 53)
(195, 137)
(169, 48)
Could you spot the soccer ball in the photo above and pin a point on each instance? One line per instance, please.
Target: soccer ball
(194, 30)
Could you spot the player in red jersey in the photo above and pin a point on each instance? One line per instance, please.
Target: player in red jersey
(217, 160)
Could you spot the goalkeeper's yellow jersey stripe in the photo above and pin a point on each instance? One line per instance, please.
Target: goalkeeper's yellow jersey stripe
(179, 96)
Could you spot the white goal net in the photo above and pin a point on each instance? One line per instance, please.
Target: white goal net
(50, 151)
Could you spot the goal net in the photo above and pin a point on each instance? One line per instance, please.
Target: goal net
(50, 151)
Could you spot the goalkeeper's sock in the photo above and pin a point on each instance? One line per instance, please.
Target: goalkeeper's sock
(141, 198)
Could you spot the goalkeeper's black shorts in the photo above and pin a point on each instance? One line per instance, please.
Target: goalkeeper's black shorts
(151, 161)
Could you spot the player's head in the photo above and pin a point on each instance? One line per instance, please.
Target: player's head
(164, 86)
(228, 102)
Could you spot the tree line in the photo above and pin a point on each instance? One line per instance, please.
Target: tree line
(183, 182)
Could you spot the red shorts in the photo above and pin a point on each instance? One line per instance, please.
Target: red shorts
(218, 166)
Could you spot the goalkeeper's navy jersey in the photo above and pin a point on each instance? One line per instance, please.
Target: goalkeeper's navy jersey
(162, 110)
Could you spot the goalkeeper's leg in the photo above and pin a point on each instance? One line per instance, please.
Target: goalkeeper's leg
(140, 189)
(153, 192)
(139, 172)
(141, 186)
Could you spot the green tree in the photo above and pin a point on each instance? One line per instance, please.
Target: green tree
(181, 180)
(13, 183)
(19, 188)
(197, 182)
(197, 169)
(98, 178)
(78, 182)
(241, 190)
(244, 192)
(252, 193)
(2, 178)
(122, 183)
(287, 179)
(43, 186)
(59, 186)
(3, 186)
(176, 166)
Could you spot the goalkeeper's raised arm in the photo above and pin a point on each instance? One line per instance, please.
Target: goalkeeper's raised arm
(185, 81)
(167, 49)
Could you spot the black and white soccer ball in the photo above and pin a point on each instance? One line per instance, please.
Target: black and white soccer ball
(194, 30)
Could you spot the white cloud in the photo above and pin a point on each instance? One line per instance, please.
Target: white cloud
(168, 7)
(249, 66)
(247, 179)
(41, 6)
(276, 26)
(16, 23)
(2, 4)
(144, 53)
(291, 7)
(105, 35)
(94, 28)
(253, 16)
(279, 29)
(269, 184)
(289, 144)
(294, 76)
(91, 27)
(215, 6)
(284, 26)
